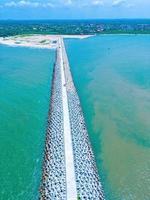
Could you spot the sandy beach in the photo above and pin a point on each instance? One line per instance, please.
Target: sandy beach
(37, 41)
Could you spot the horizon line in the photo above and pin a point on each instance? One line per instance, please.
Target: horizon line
(75, 19)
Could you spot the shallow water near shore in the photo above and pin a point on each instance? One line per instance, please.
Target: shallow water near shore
(112, 77)
(25, 81)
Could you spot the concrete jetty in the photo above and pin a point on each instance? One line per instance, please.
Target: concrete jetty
(69, 159)
(69, 169)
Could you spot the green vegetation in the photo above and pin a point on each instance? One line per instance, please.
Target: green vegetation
(43, 41)
(69, 27)
(23, 35)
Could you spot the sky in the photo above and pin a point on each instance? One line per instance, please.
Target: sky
(74, 9)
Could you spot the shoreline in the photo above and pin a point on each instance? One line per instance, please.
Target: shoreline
(38, 41)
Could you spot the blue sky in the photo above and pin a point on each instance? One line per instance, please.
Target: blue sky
(74, 9)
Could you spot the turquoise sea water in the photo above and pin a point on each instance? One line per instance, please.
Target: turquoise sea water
(112, 76)
(25, 77)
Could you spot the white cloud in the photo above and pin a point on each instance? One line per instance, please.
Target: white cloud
(68, 2)
(88, 3)
(24, 3)
(10, 4)
(48, 4)
(118, 2)
(65, 3)
(130, 5)
(97, 2)
(124, 3)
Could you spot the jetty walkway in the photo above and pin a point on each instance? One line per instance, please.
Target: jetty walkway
(69, 169)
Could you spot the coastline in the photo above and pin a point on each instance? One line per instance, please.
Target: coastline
(37, 41)
(46, 41)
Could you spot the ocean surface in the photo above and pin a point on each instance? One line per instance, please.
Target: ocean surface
(112, 76)
(25, 79)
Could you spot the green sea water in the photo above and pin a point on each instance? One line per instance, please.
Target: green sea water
(25, 77)
(112, 77)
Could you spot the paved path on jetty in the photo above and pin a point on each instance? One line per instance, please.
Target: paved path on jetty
(69, 168)
(69, 160)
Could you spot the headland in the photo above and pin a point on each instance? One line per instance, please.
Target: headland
(37, 41)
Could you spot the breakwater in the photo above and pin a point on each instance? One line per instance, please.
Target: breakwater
(53, 180)
(69, 169)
